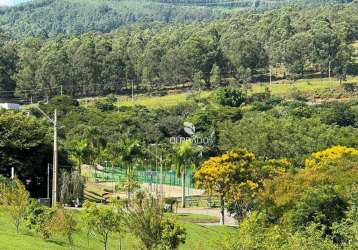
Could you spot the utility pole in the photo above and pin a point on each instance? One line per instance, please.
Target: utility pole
(55, 161)
(48, 180)
(61, 90)
(55, 158)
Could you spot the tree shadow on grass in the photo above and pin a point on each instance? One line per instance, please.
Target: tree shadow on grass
(57, 242)
(93, 193)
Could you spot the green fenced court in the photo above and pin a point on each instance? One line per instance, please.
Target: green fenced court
(144, 174)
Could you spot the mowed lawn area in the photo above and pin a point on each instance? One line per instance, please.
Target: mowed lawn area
(161, 101)
(198, 237)
(282, 88)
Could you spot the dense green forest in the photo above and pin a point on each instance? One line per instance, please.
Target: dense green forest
(257, 4)
(47, 18)
(286, 43)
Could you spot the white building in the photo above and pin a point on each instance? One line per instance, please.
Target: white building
(10, 106)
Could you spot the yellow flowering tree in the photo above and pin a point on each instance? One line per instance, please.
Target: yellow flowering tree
(234, 176)
(321, 158)
(335, 167)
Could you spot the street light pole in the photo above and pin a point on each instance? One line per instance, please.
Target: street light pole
(55, 153)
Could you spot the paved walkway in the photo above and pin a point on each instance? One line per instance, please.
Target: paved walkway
(229, 221)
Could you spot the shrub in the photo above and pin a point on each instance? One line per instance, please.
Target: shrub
(101, 220)
(350, 87)
(261, 97)
(255, 233)
(310, 190)
(63, 101)
(37, 218)
(230, 96)
(145, 219)
(340, 114)
(172, 234)
(311, 238)
(346, 232)
(296, 94)
(15, 198)
(322, 205)
(63, 222)
(299, 109)
(107, 104)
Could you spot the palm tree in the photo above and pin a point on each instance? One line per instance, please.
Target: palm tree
(124, 150)
(184, 155)
(79, 150)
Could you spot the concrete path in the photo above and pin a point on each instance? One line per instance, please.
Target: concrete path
(229, 221)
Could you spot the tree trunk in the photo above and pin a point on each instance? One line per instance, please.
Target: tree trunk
(17, 225)
(88, 238)
(222, 210)
(120, 244)
(105, 242)
(270, 75)
(329, 70)
(183, 187)
(80, 166)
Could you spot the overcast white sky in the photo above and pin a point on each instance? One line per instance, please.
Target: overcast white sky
(5, 2)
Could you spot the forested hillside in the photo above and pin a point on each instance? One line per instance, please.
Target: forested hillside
(258, 4)
(288, 43)
(46, 18)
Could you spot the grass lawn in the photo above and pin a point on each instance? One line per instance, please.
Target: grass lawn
(160, 101)
(283, 88)
(198, 237)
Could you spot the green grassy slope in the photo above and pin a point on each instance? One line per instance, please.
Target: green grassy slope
(282, 88)
(279, 88)
(160, 101)
(199, 238)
